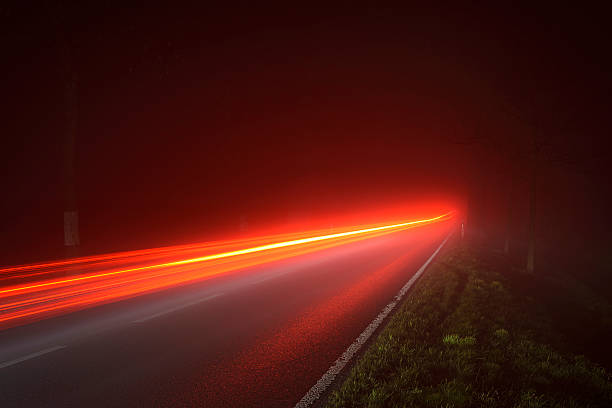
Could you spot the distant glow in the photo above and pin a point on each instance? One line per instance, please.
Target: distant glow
(110, 277)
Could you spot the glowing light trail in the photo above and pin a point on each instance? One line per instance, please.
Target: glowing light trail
(111, 279)
(234, 253)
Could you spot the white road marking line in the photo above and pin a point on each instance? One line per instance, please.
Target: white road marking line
(326, 380)
(30, 356)
(174, 309)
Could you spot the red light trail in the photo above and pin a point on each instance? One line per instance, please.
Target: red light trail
(111, 277)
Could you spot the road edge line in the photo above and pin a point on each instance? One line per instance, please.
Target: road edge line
(328, 378)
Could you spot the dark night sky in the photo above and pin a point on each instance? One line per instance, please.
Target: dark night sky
(192, 115)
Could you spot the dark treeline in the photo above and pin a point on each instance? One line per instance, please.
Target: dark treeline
(172, 125)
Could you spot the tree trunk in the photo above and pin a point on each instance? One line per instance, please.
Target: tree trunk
(70, 82)
(532, 208)
(509, 215)
(71, 220)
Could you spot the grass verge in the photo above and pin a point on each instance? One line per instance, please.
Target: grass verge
(474, 333)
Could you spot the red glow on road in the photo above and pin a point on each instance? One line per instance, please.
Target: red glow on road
(304, 335)
(111, 277)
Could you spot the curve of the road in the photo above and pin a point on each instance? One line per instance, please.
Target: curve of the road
(259, 337)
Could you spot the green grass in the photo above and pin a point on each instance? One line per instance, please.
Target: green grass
(472, 333)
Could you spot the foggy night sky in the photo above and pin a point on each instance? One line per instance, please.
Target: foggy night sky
(190, 116)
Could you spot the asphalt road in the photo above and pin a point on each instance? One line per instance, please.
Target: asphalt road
(260, 337)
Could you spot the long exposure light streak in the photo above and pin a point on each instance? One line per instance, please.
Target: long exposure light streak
(111, 277)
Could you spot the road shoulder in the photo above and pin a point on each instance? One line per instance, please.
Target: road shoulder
(469, 336)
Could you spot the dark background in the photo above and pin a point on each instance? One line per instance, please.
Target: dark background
(191, 117)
